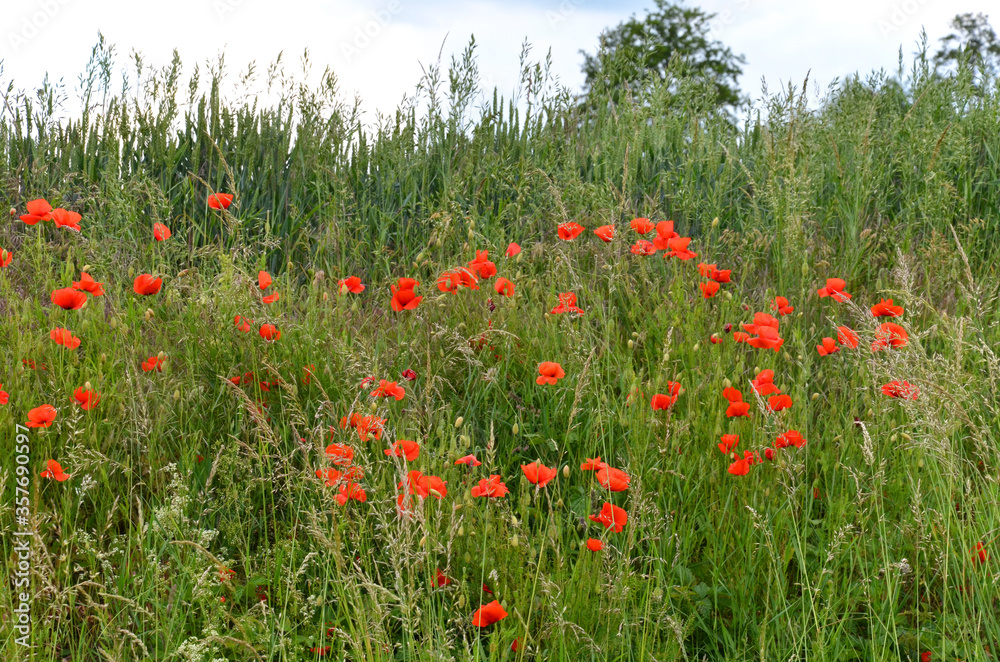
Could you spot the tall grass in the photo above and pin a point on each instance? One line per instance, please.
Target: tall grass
(857, 546)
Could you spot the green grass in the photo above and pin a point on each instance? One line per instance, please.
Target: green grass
(857, 546)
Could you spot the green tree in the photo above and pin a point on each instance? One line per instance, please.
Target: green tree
(638, 52)
(973, 41)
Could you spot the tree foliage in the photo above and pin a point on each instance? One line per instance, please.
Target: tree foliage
(973, 41)
(638, 51)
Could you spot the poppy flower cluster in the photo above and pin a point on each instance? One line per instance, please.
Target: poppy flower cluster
(41, 210)
(715, 278)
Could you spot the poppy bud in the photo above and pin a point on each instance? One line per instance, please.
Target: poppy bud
(86, 267)
(103, 357)
(113, 323)
(920, 463)
(161, 355)
(416, 266)
(326, 296)
(728, 384)
(805, 270)
(631, 344)
(177, 394)
(515, 430)
(20, 369)
(13, 212)
(869, 413)
(87, 386)
(513, 541)
(423, 541)
(467, 559)
(729, 296)
(438, 242)
(372, 406)
(465, 441)
(461, 531)
(559, 503)
(149, 314)
(458, 422)
(746, 307)
(565, 471)
(420, 256)
(815, 397)
(905, 436)
(461, 598)
(131, 272)
(696, 346)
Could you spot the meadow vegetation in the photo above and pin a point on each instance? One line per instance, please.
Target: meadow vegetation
(199, 520)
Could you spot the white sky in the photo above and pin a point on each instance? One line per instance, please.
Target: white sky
(781, 39)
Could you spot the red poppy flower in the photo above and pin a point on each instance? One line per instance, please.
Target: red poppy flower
(780, 304)
(340, 454)
(613, 479)
(403, 296)
(847, 337)
(642, 225)
(769, 454)
(351, 490)
(709, 289)
(264, 280)
(662, 401)
(440, 579)
(790, 438)
(664, 233)
(904, 390)
(828, 347)
(468, 460)
(890, 334)
(350, 284)
(884, 308)
(737, 409)
(763, 383)
(271, 298)
(153, 363)
(4, 396)
(767, 338)
(741, 467)
(739, 336)
(6, 257)
(387, 389)
(513, 249)
(606, 233)
(89, 285)
(728, 443)
(642, 247)
(732, 394)
(504, 287)
(408, 375)
(679, 248)
(705, 270)
(66, 219)
(538, 474)
(594, 545)
(570, 231)
(488, 615)
(68, 299)
(490, 487)
(453, 279)
(481, 265)
(549, 373)
(54, 470)
(714, 339)
(161, 232)
(242, 324)
(592, 464)
(65, 338)
(567, 304)
(38, 210)
(834, 288)
(41, 417)
(404, 448)
(779, 402)
(86, 399)
(145, 284)
(220, 200)
(979, 553)
(612, 517)
(269, 332)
